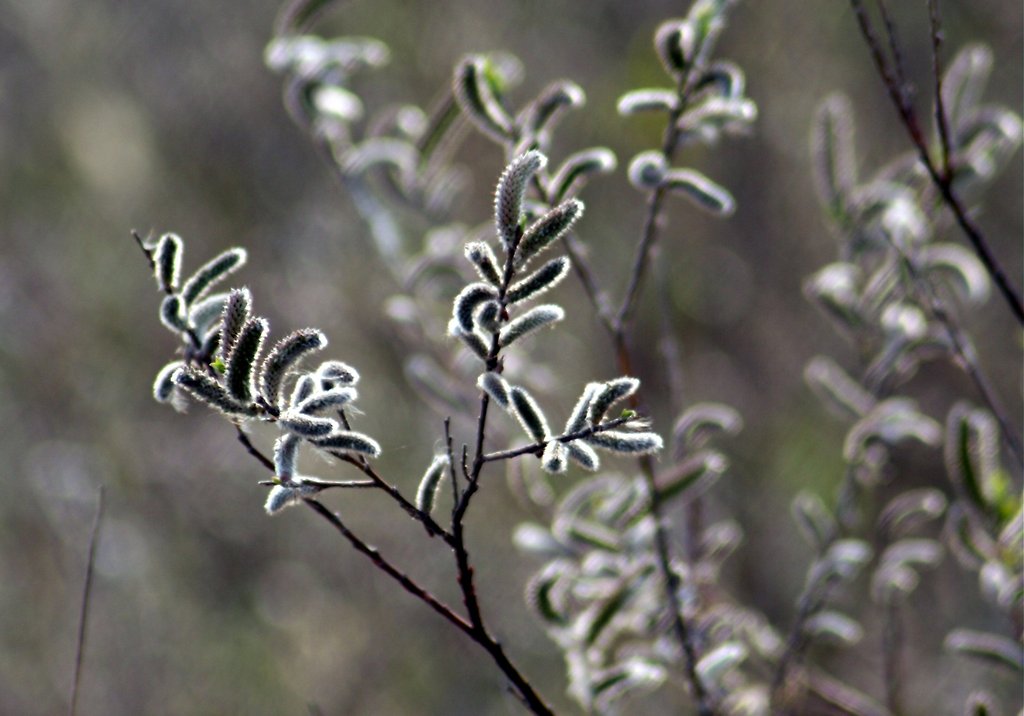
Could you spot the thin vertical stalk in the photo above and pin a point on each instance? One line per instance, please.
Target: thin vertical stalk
(83, 612)
(943, 180)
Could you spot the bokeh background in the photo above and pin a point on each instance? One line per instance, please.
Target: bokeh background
(159, 115)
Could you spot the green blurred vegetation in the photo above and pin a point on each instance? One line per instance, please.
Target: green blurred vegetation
(161, 116)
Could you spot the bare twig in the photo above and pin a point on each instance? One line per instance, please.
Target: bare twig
(942, 180)
(620, 338)
(941, 117)
(475, 627)
(452, 472)
(842, 696)
(407, 583)
(252, 450)
(892, 644)
(964, 355)
(810, 601)
(428, 522)
(83, 612)
(578, 259)
(538, 447)
(327, 484)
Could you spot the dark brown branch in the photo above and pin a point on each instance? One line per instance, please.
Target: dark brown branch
(428, 522)
(964, 355)
(385, 566)
(941, 116)
(83, 611)
(892, 645)
(475, 629)
(252, 450)
(942, 180)
(328, 484)
(452, 472)
(809, 603)
(843, 697)
(463, 563)
(538, 448)
(620, 339)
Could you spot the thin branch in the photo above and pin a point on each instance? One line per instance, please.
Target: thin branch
(146, 251)
(842, 696)
(941, 117)
(253, 450)
(428, 522)
(810, 602)
(671, 582)
(895, 51)
(327, 484)
(538, 447)
(463, 563)
(964, 354)
(620, 339)
(892, 644)
(648, 235)
(407, 583)
(83, 612)
(449, 450)
(580, 265)
(980, 244)
(475, 629)
(942, 180)
(411, 509)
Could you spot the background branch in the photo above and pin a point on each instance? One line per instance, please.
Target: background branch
(83, 611)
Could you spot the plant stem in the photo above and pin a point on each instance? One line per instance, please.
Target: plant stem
(619, 331)
(531, 699)
(942, 179)
(538, 447)
(83, 611)
(384, 565)
(965, 356)
(892, 643)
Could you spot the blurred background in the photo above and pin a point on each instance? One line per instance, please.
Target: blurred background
(161, 116)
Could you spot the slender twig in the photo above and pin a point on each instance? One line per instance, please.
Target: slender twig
(253, 450)
(941, 116)
(671, 582)
(811, 600)
(964, 354)
(842, 696)
(458, 528)
(892, 644)
(407, 583)
(327, 484)
(906, 90)
(648, 235)
(815, 592)
(145, 250)
(428, 522)
(538, 447)
(450, 451)
(474, 628)
(942, 180)
(580, 265)
(83, 611)
(620, 338)
(375, 481)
